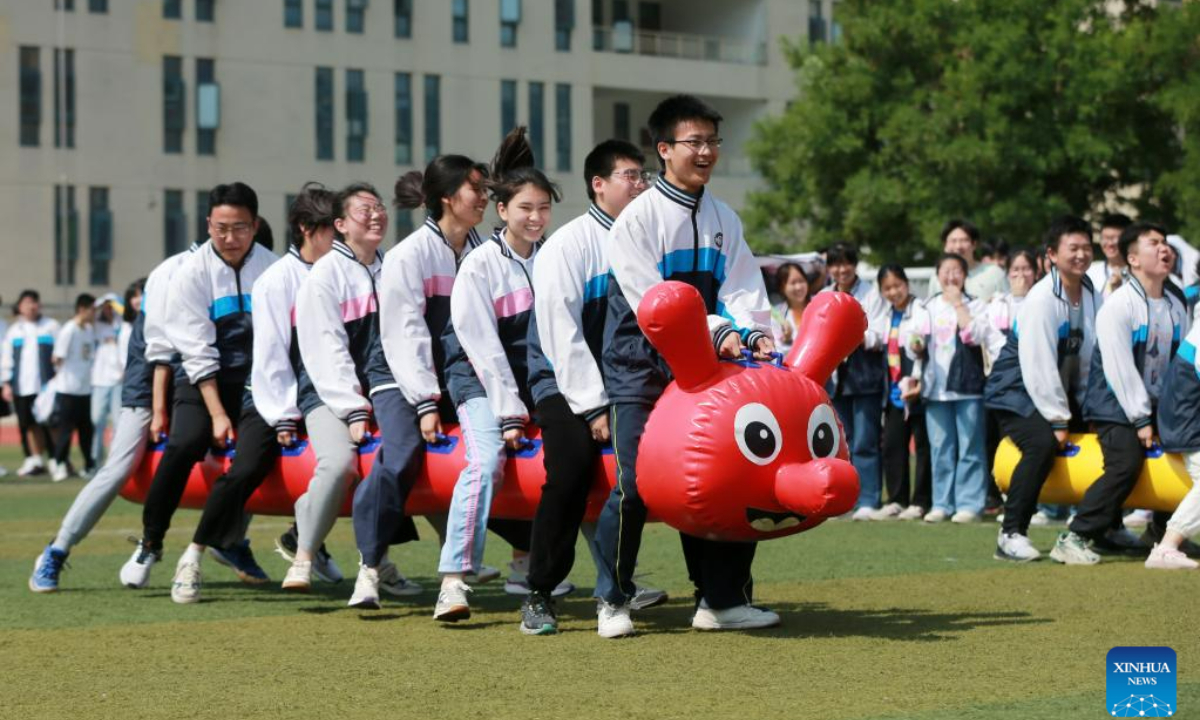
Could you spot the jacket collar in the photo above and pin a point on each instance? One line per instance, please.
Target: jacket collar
(605, 220)
(498, 236)
(294, 252)
(245, 258)
(677, 195)
(473, 239)
(340, 246)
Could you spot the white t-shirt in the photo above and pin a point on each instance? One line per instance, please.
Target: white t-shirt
(1158, 346)
(76, 347)
(107, 369)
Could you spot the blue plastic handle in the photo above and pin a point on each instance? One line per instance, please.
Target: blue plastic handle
(777, 358)
(1068, 450)
(1154, 451)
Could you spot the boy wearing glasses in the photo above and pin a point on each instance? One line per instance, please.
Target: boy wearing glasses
(675, 231)
(210, 326)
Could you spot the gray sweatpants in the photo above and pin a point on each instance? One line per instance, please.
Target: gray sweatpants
(337, 468)
(124, 455)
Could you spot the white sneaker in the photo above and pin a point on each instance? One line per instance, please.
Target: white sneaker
(452, 603)
(393, 582)
(863, 513)
(1015, 547)
(1138, 518)
(325, 568)
(935, 515)
(891, 511)
(1071, 549)
(59, 471)
(912, 512)
(647, 597)
(135, 573)
(613, 621)
(1039, 519)
(366, 589)
(517, 582)
(486, 573)
(299, 576)
(33, 465)
(1165, 558)
(742, 617)
(965, 516)
(185, 588)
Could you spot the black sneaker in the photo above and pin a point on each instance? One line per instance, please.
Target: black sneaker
(537, 615)
(286, 544)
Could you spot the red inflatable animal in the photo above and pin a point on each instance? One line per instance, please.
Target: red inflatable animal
(733, 450)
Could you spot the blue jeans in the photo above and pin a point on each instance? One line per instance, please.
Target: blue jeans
(466, 528)
(862, 418)
(106, 402)
(956, 441)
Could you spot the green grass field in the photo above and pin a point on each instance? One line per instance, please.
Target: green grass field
(880, 621)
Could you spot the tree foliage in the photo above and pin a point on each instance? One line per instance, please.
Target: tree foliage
(1007, 112)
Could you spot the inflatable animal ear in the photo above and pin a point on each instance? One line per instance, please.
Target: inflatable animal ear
(674, 319)
(831, 328)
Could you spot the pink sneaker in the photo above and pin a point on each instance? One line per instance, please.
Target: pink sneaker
(1165, 558)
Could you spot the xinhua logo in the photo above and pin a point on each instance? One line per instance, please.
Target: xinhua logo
(1141, 682)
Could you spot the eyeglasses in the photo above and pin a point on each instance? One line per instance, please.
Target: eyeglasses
(634, 177)
(697, 144)
(240, 228)
(366, 212)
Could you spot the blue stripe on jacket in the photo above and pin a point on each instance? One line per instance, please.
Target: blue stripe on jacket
(229, 305)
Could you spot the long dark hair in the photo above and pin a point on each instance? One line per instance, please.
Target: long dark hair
(512, 169)
(137, 287)
(443, 176)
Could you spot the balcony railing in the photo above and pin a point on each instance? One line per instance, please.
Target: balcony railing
(624, 38)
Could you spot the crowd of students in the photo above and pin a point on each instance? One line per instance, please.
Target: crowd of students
(337, 340)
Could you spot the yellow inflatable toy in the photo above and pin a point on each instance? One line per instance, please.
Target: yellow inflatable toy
(1163, 482)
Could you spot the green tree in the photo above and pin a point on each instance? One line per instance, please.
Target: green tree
(1007, 112)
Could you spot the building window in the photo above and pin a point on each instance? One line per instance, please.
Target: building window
(835, 27)
(404, 119)
(356, 11)
(66, 235)
(564, 24)
(621, 130)
(510, 18)
(508, 106)
(324, 113)
(64, 98)
(816, 22)
(30, 79)
(402, 10)
(325, 15)
(537, 125)
(293, 13)
(205, 10)
(99, 7)
(433, 116)
(562, 127)
(100, 236)
(201, 215)
(356, 116)
(461, 26)
(67, 5)
(208, 107)
(173, 9)
(597, 25)
(174, 104)
(174, 223)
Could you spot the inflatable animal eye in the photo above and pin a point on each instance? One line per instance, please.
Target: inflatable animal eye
(822, 432)
(757, 433)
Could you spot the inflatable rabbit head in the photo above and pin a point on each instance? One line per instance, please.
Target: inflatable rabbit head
(746, 450)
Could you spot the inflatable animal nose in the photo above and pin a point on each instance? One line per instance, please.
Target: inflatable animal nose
(819, 488)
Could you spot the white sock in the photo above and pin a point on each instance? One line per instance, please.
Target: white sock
(191, 555)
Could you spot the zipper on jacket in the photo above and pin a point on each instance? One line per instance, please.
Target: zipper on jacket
(695, 239)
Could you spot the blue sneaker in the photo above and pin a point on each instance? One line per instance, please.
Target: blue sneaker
(45, 571)
(239, 559)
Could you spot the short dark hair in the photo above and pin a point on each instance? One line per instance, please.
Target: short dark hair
(1131, 234)
(603, 158)
(343, 196)
(237, 194)
(312, 209)
(891, 269)
(951, 257)
(1030, 257)
(1115, 220)
(960, 224)
(137, 287)
(1066, 225)
(265, 236)
(84, 301)
(443, 176)
(676, 109)
(784, 272)
(33, 295)
(841, 253)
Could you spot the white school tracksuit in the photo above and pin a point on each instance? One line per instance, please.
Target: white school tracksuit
(337, 327)
(128, 445)
(487, 366)
(1179, 426)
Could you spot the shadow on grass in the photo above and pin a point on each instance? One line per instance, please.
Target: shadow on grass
(819, 620)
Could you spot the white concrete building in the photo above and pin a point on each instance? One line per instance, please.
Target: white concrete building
(123, 113)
